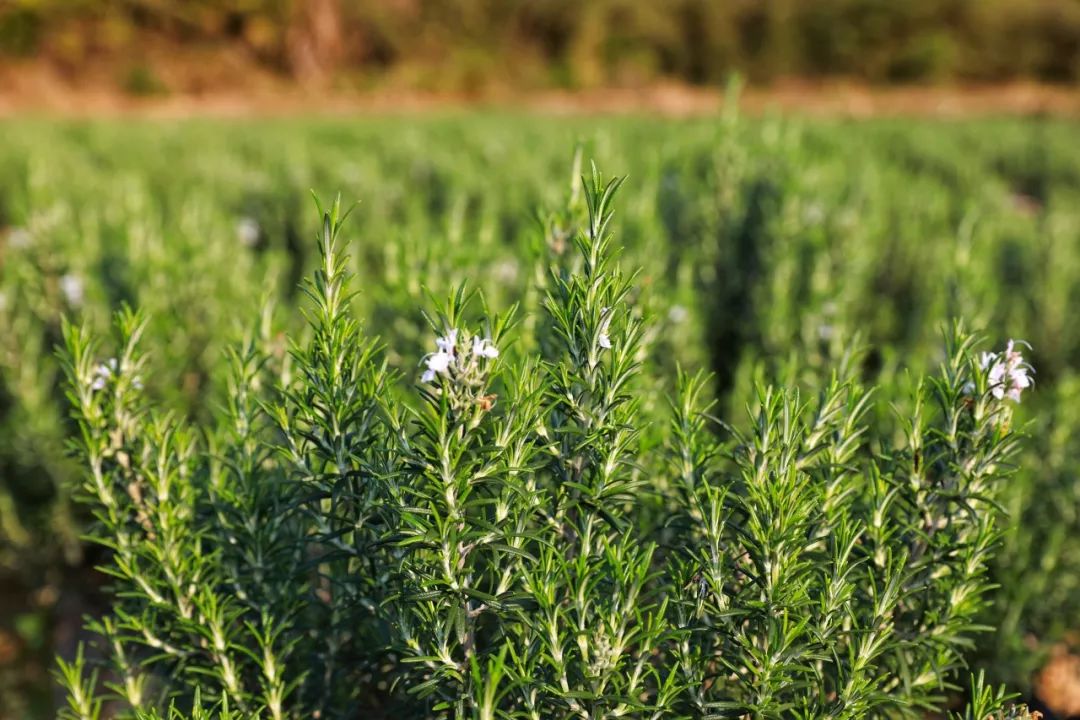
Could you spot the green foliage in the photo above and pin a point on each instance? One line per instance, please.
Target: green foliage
(765, 247)
(516, 536)
(827, 582)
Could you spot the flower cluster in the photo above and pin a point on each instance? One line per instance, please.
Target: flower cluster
(102, 373)
(1009, 375)
(457, 359)
(106, 371)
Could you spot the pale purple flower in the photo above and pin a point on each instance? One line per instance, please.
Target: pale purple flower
(483, 347)
(106, 371)
(439, 362)
(446, 344)
(458, 360)
(1008, 374)
(103, 372)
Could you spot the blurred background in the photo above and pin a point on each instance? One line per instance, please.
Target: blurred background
(484, 47)
(771, 226)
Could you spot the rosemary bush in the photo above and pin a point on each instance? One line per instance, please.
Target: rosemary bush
(518, 529)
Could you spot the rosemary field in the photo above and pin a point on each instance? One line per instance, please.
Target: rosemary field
(738, 434)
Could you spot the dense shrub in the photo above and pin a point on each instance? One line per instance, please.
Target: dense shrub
(765, 247)
(511, 534)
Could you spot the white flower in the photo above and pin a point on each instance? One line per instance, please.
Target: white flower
(1008, 374)
(103, 372)
(439, 362)
(483, 347)
(72, 287)
(604, 341)
(677, 314)
(446, 344)
(247, 231)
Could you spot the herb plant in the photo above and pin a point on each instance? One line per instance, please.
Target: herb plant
(513, 529)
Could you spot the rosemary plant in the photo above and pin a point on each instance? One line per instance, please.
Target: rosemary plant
(506, 531)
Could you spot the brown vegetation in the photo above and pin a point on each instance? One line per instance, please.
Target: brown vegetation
(222, 84)
(248, 56)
